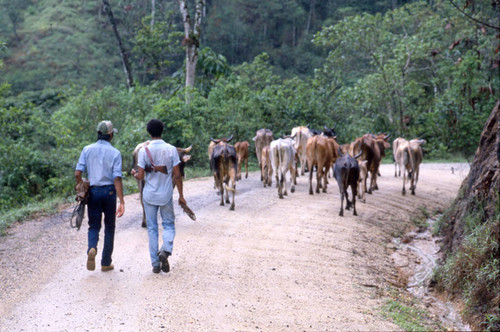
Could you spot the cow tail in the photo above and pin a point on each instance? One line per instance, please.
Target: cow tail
(280, 161)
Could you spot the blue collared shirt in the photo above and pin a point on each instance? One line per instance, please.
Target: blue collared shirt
(158, 188)
(102, 162)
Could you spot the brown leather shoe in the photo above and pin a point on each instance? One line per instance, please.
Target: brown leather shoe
(106, 268)
(91, 259)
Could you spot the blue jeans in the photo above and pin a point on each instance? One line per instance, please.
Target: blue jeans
(168, 223)
(102, 200)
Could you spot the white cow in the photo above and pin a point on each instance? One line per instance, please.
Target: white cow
(395, 144)
(409, 156)
(301, 135)
(282, 160)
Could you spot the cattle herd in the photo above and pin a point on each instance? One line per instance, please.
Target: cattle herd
(354, 165)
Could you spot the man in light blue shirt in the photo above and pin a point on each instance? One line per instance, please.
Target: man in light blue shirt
(103, 165)
(158, 164)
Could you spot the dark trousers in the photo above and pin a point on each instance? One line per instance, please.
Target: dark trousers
(102, 200)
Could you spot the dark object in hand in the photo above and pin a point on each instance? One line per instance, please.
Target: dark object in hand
(161, 169)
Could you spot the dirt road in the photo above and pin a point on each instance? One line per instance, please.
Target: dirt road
(271, 264)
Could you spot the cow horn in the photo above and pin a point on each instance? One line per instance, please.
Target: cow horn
(327, 128)
(358, 155)
(387, 137)
(340, 152)
(188, 149)
(230, 138)
(216, 141)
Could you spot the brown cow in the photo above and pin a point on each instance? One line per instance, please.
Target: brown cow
(242, 156)
(372, 149)
(266, 169)
(184, 157)
(223, 165)
(319, 154)
(409, 156)
(263, 137)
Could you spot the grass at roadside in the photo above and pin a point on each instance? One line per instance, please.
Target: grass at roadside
(47, 207)
(409, 315)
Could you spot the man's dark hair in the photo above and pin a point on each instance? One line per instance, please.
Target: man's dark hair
(155, 127)
(103, 137)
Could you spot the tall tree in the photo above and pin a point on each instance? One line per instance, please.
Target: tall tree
(192, 35)
(125, 60)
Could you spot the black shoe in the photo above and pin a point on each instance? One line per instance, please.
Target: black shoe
(164, 261)
(156, 269)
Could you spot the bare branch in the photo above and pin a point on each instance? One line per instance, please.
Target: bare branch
(472, 18)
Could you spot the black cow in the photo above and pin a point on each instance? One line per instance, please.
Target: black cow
(346, 172)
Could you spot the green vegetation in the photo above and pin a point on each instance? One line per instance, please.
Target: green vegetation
(419, 70)
(409, 316)
(409, 68)
(473, 270)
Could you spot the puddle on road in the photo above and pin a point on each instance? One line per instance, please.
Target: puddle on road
(426, 247)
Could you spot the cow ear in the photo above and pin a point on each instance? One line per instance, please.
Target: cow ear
(335, 137)
(253, 139)
(186, 158)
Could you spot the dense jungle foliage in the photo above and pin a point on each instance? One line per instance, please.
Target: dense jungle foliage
(408, 68)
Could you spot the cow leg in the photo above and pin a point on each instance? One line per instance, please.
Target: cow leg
(404, 182)
(310, 183)
(140, 185)
(325, 180)
(347, 201)
(246, 168)
(354, 188)
(412, 186)
(279, 183)
(341, 213)
(319, 176)
(293, 175)
(285, 192)
(270, 177)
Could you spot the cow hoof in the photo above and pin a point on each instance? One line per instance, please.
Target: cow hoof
(311, 192)
(413, 193)
(404, 193)
(221, 204)
(281, 196)
(227, 201)
(341, 214)
(355, 213)
(143, 224)
(285, 193)
(324, 190)
(292, 190)
(246, 176)
(231, 208)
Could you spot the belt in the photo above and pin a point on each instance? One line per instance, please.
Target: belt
(106, 185)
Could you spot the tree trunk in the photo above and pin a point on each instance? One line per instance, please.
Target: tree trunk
(312, 4)
(192, 33)
(125, 60)
(153, 8)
